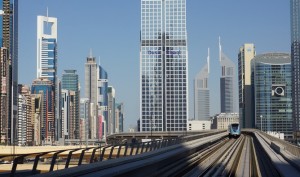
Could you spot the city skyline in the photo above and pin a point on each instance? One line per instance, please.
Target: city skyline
(204, 25)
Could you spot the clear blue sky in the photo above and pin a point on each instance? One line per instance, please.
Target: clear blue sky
(111, 29)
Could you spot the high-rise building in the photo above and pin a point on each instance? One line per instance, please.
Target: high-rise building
(246, 54)
(102, 85)
(84, 115)
(91, 79)
(226, 82)
(37, 113)
(9, 81)
(201, 97)
(119, 117)
(24, 122)
(69, 111)
(163, 66)
(295, 62)
(46, 88)
(271, 82)
(70, 82)
(47, 60)
(111, 110)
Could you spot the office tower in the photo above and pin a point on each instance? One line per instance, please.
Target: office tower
(47, 57)
(271, 81)
(45, 87)
(9, 74)
(91, 79)
(84, 115)
(246, 54)
(201, 97)
(163, 66)
(37, 113)
(295, 62)
(119, 117)
(24, 121)
(70, 82)
(102, 120)
(111, 110)
(69, 110)
(226, 82)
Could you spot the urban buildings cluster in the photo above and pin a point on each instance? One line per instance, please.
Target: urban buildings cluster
(268, 84)
(51, 110)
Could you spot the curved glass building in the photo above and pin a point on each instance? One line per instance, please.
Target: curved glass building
(271, 81)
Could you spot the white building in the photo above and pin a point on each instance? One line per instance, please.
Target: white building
(221, 121)
(198, 125)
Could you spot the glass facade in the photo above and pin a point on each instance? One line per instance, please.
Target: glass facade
(271, 81)
(226, 83)
(163, 66)
(46, 87)
(102, 98)
(201, 100)
(70, 82)
(295, 62)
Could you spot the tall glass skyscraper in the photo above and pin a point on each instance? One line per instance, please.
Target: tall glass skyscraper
(201, 99)
(163, 66)
(271, 82)
(295, 62)
(226, 82)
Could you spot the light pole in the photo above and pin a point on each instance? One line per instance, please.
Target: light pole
(261, 122)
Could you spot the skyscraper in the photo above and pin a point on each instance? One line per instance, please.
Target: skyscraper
(111, 95)
(46, 88)
(246, 54)
(226, 82)
(295, 62)
(47, 59)
(201, 97)
(271, 82)
(70, 82)
(91, 79)
(9, 96)
(163, 66)
(102, 88)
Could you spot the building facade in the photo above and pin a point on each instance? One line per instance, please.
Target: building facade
(198, 125)
(91, 80)
(295, 63)
(223, 120)
(272, 87)
(102, 119)
(84, 115)
(70, 81)
(112, 122)
(226, 82)
(119, 117)
(45, 87)
(246, 54)
(163, 66)
(201, 94)
(9, 76)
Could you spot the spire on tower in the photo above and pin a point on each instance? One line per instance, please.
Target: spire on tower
(220, 49)
(208, 61)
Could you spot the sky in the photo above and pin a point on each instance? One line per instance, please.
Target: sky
(111, 29)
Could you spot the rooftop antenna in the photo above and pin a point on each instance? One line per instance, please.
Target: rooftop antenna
(99, 60)
(208, 61)
(91, 53)
(220, 49)
(47, 15)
